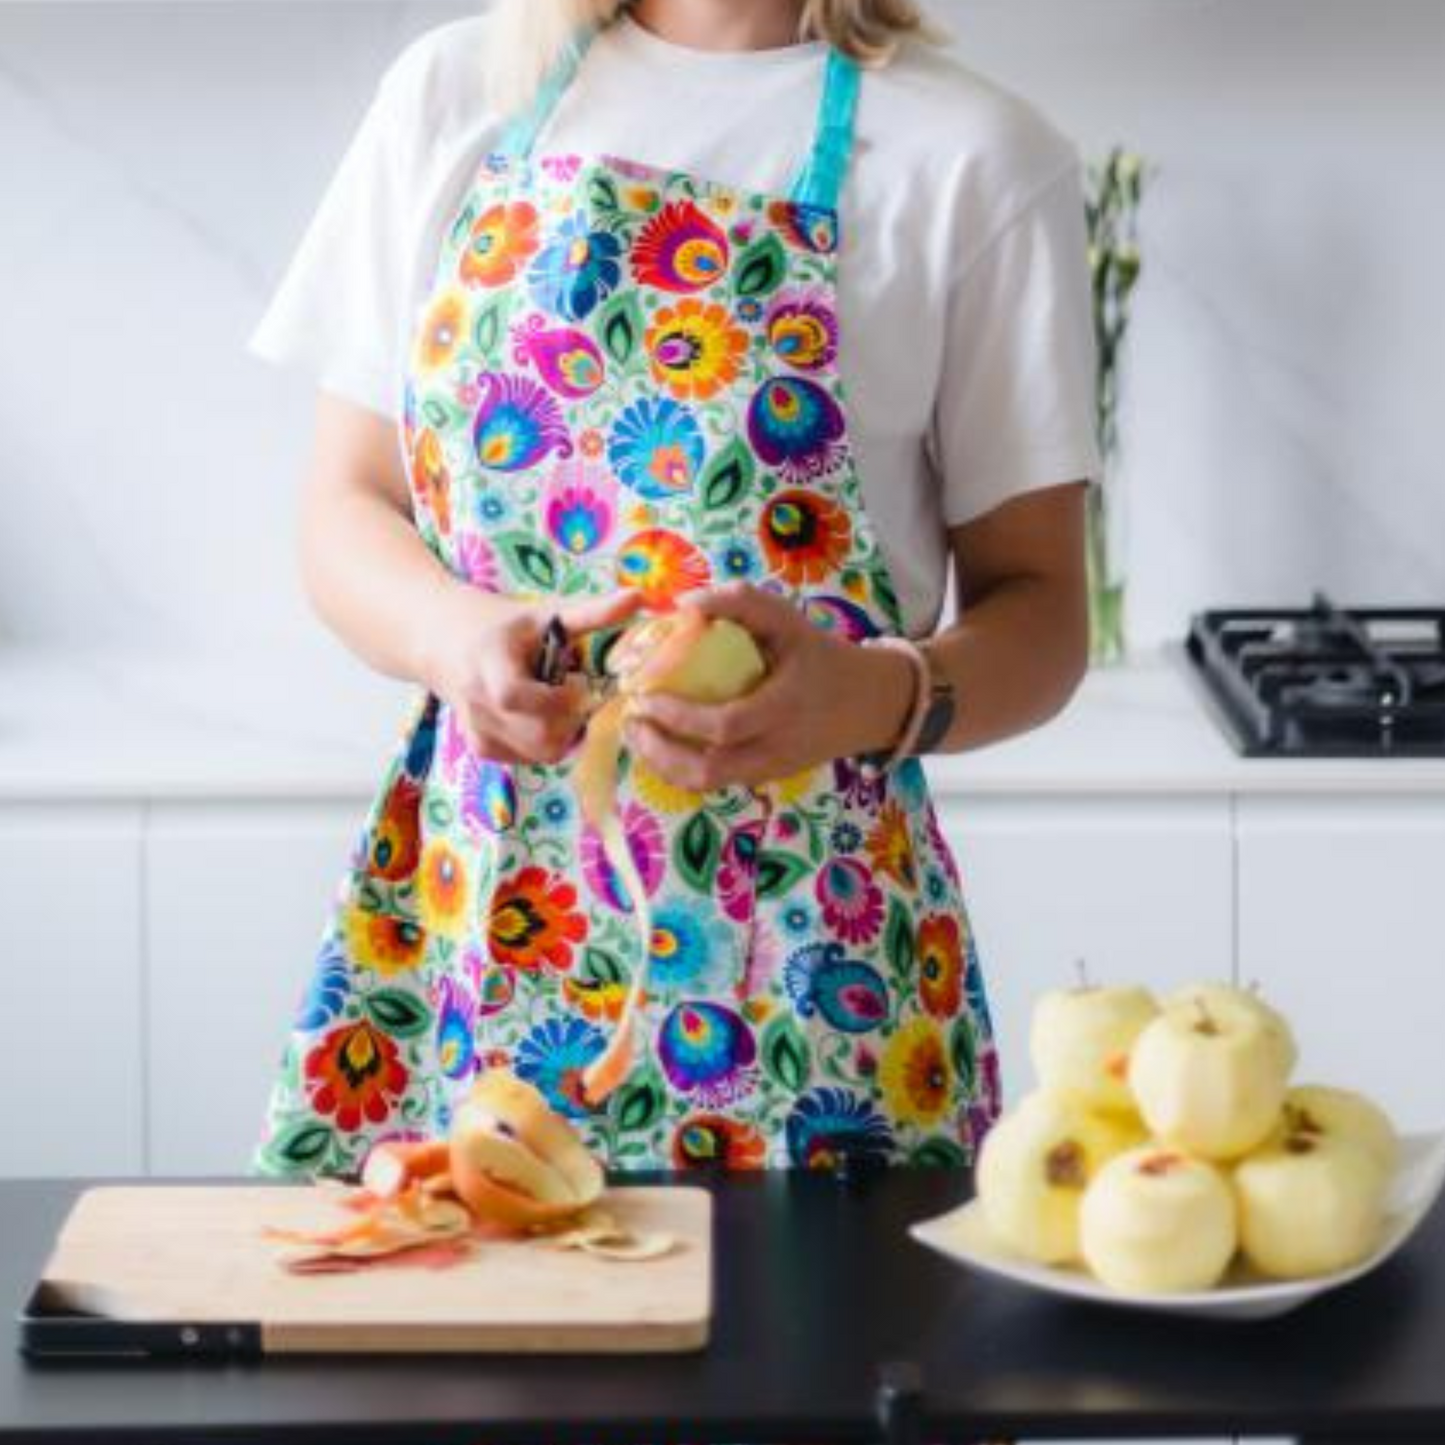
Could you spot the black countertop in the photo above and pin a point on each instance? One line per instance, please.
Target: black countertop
(819, 1293)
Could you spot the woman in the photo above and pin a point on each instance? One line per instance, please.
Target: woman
(764, 307)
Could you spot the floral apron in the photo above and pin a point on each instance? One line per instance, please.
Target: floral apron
(626, 375)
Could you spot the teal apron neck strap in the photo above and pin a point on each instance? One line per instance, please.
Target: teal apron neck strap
(521, 132)
(820, 181)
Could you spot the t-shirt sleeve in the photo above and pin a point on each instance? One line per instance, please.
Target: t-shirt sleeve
(338, 309)
(1015, 406)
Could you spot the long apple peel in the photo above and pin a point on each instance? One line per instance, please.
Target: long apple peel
(657, 655)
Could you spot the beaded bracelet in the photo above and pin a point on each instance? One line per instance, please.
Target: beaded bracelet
(873, 764)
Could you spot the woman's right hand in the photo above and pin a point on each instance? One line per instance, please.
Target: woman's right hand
(482, 653)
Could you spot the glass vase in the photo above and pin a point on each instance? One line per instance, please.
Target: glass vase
(1107, 644)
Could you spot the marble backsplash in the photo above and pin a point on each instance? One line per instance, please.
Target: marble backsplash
(159, 160)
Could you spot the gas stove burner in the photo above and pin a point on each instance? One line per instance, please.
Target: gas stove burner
(1325, 681)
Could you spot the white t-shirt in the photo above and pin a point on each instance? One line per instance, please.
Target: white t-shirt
(966, 335)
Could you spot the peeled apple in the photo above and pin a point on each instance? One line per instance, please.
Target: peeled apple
(1033, 1167)
(685, 654)
(1308, 1204)
(1157, 1221)
(514, 1161)
(1210, 1073)
(1227, 996)
(1080, 1040)
(703, 659)
(1319, 1109)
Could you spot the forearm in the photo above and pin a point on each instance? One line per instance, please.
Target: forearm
(378, 586)
(1015, 656)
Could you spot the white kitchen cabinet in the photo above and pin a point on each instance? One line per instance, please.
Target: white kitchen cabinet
(236, 897)
(1341, 921)
(72, 1062)
(1140, 888)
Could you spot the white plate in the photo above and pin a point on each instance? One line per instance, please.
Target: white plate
(962, 1236)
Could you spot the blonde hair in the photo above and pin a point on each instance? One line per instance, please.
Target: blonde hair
(529, 35)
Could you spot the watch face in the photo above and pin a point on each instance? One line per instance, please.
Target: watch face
(937, 720)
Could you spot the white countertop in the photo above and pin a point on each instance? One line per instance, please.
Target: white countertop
(100, 727)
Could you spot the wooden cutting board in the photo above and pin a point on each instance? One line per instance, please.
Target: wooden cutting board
(196, 1253)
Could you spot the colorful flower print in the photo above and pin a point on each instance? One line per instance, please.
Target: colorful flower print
(811, 228)
(738, 870)
(396, 838)
(838, 615)
(579, 506)
(856, 788)
(477, 560)
(517, 423)
(454, 747)
(326, 992)
(489, 795)
(456, 1024)
(535, 921)
(492, 509)
(708, 1050)
(916, 1074)
(797, 919)
(503, 240)
(940, 965)
(657, 792)
(890, 846)
(849, 995)
(649, 856)
(431, 483)
(686, 952)
(796, 428)
(656, 447)
(442, 887)
(694, 348)
(828, 1125)
(662, 566)
(804, 537)
(598, 999)
(679, 249)
(552, 1058)
(567, 360)
(383, 942)
(713, 1139)
(492, 985)
(408, 414)
(736, 562)
(802, 330)
(852, 903)
(355, 1073)
(555, 809)
(575, 270)
(910, 784)
(795, 785)
(441, 330)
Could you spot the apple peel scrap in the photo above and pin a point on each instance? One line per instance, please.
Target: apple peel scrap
(511, 1168)
(684, 654)
(600, 1234)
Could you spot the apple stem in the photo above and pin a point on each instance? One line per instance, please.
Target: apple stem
(1206, 1024)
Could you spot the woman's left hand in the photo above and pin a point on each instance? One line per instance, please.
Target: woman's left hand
(824, 697)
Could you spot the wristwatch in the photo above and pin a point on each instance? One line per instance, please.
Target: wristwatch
(930, 716)
(942, 708)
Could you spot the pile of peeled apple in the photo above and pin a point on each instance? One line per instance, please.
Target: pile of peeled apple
(1165, 1144)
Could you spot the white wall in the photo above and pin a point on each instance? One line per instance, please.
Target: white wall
(159, 161)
